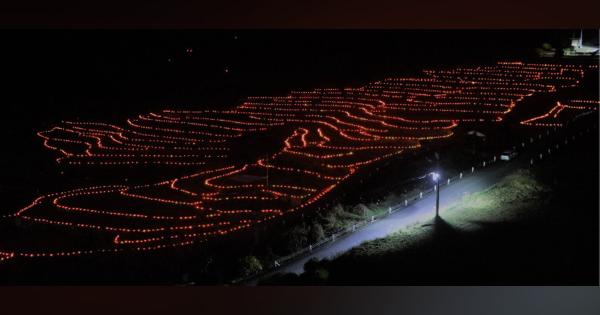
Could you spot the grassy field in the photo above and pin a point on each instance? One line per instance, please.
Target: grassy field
(535, 227)
(504, 202)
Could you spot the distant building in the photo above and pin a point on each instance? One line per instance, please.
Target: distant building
(476, 139)
(476, 134)
(546, 51)
(578, 49)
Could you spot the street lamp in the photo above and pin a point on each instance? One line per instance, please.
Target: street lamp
(436, 179)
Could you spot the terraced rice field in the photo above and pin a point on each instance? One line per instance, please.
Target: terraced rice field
(324, 136)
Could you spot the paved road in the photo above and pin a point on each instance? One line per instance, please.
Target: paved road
(417, 211)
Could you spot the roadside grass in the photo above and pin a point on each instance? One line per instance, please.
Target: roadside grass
(343, 216)
(502, 202)
(517, 196)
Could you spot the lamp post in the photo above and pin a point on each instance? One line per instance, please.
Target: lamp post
(436, 179)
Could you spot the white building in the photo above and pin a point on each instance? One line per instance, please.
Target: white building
(578, 48)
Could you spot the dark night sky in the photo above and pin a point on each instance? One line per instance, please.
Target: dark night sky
(300, 14)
